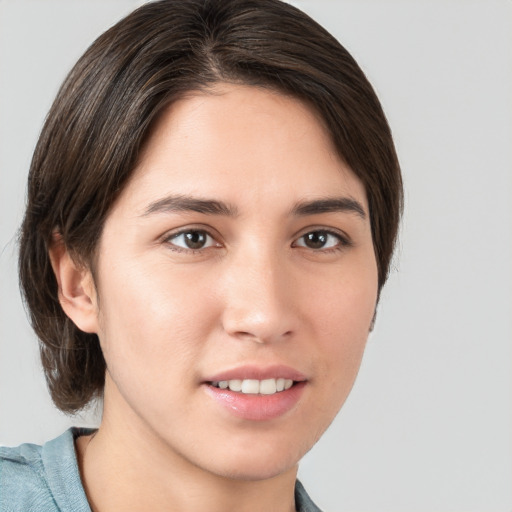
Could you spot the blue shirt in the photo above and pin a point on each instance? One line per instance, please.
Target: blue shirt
(46, 478)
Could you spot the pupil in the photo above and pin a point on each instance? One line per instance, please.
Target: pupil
(195, 239)
(316, 240)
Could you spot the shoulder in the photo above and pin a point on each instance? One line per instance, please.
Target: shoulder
(42, 478)
(303, 502)
(23, 485)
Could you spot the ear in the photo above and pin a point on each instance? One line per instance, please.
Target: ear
(372, 325)
(77, 293)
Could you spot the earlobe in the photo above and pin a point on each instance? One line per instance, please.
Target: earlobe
(77, 293)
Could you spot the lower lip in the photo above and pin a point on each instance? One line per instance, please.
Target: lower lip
(257, 407)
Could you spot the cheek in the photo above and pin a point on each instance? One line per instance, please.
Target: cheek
(149, 319)
(345, 304)
(153, 332)
(343, 314)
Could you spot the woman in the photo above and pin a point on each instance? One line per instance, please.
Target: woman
(212, 209)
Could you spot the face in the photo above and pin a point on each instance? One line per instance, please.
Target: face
(236, 283)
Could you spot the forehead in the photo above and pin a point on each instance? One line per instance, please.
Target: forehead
(242, 143)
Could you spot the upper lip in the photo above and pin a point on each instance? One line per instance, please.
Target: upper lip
(257, 373)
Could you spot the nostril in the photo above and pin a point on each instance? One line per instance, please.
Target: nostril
(260, 337)
(249, 336)
(261, 322)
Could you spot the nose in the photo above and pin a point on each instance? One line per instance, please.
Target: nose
(259, 299)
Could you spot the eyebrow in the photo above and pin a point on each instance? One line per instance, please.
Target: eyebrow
(184, 203)
(328, 205)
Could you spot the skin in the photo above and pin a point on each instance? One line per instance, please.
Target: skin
(255, 293)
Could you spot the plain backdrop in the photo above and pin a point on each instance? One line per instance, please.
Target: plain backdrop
(428, 426)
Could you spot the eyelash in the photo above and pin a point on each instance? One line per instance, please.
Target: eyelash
(169, 240)
(343, 241)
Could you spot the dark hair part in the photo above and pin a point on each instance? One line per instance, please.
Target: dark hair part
(104, 110)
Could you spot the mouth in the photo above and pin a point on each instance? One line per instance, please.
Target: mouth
(254, 386)
(257, 394)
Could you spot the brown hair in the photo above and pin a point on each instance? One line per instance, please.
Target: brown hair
(104, 110)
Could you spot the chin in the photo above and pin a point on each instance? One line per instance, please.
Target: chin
(256, 472)
(259, 462)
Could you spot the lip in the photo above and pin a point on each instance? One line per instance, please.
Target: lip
(258, 407)
(258, 373)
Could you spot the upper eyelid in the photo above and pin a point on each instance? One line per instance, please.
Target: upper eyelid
(344, 240)
(187, 229)
(184, 232)
(169, 237)
(343, 236)
(331, 231)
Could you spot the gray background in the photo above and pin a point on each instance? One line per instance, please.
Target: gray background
(428, 426)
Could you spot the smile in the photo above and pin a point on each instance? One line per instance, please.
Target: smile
(255, 387)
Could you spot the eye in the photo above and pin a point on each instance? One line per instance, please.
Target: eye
(192, 239)
(320, 239)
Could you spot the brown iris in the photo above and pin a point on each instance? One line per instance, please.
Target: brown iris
(315, 239)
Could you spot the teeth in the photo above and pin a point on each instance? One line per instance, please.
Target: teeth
(268, 387)
(250, 386)
(235, 385)
(254, 387)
